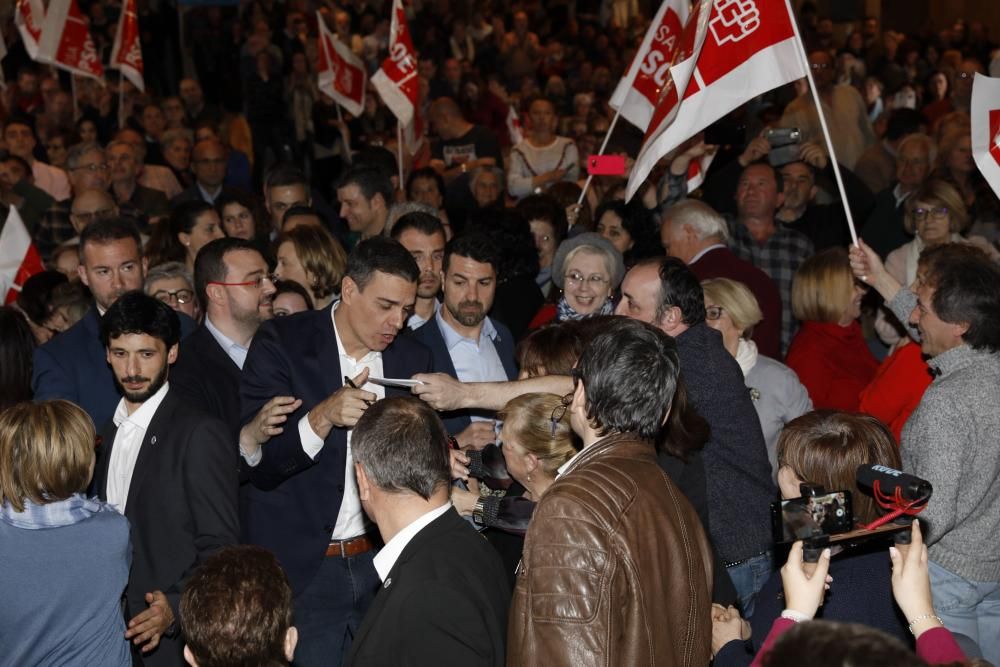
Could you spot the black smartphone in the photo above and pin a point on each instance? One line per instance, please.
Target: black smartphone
(811, 516)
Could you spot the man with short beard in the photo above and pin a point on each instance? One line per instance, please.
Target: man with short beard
(168, 467)
(423, 236)
(464, 342)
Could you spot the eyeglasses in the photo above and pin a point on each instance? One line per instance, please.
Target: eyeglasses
(87, 218)
(713, 313)
(182, 296)
(815, 66)
(102, 166)
(938, 213)
(257, 282)
(595, 280)
(559, 411)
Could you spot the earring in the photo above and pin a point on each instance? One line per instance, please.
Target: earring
(527, 478)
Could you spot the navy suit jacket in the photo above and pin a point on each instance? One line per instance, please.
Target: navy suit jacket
(74, 366)
(444, 602)
(294, 500)
(430, 335)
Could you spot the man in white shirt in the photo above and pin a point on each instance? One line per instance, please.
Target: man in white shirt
(303, 504)
(444, 595)
(167, 467)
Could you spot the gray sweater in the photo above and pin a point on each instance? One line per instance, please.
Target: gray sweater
(952, 440)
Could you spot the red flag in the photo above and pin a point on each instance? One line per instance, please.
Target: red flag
(514, 125)
(19, 260)
(639, 90)
(341, 73)
(66, 41)
(985, 116)
(126, 54)
(29, 17)
(396, 81)
(750, 48)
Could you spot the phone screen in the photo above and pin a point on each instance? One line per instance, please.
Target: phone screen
(801, 518)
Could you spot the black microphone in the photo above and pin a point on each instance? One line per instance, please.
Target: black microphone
(890, 479)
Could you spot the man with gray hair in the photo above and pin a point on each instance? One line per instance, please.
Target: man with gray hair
(124, 164)
(173, 284)
(88, 170)
(487, 186)
(693, 232)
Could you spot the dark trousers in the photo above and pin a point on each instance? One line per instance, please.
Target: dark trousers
(329, 611)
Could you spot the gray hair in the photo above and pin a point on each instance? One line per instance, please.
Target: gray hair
(699, 216)
(925, 142)
(77, 152)
(402, 208)
(176, 134)
(484, 169)
(168, 270)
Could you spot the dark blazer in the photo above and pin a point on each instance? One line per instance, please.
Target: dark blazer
(74, 366)
(722, 263)
(430, 335)
(192, 193)
(294, 500)
(444, 602)
(181, 505)
(205, 376)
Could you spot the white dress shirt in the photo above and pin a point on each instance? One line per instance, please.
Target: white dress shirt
(351, 520)
(705, 251)
(128, 442)
(389, 554)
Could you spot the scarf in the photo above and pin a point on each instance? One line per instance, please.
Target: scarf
(746, 355)
(565, 312)
(60, 513)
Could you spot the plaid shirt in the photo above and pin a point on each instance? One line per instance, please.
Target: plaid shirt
(780, 257)
(55, 227)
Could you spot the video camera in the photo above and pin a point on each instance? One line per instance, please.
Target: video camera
(820, 518)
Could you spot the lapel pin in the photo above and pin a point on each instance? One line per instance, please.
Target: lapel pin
(388, 582)
(152, 440)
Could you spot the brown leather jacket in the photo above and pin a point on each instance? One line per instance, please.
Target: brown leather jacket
(616, 569)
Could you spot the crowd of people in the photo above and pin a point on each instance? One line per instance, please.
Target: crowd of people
(280, 376)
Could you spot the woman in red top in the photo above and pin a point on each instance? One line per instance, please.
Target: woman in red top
(829, 353)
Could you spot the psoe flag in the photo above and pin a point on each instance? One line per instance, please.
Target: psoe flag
(341, 74)
(396, 80)
(986, 128)
(66, 41)
(29, 15)
(126, 54)
(19, 260)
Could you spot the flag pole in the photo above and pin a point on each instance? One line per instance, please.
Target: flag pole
(604, 145)
(822, 121)
(121, 103)
(399, 152)
(343, 133)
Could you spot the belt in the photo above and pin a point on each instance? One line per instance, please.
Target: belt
(352, 547)
(744, 560)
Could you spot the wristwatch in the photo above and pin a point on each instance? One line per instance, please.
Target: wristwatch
(477, 512)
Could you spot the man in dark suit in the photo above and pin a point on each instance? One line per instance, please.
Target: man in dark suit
(208, 164)
(696, 234)
(167, 467)
(464, 341)
(444, 594)
(304, 503)
(74, 365)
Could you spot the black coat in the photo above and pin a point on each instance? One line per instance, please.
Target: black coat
(444, 602)
(181, 505)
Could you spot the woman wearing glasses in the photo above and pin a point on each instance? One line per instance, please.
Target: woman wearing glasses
(171, 283)
(588, 269)
(777, 394)
(829, 352)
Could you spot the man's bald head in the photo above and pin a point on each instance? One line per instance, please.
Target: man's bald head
(89, 206)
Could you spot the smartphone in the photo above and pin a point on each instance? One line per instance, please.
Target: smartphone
(784, 145)
(606, 165)
(812, 516)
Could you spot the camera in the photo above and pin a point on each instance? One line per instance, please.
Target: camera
(784, 145)
(812, 516)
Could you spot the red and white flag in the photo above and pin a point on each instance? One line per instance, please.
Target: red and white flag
(985, 112)
(66, 41)
(514, 126)
(29, 15)
(639, 90)
(126, 54)
(341, 73)
(750, 48)
(19, 260)
(697, 170)
(396, 80)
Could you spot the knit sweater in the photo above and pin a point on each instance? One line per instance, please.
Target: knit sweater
(952, 440)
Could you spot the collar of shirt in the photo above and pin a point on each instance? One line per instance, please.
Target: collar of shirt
(389, 554)
(144, 415)
(569, 464)
(415, 321)
(899, 194)
(208, 196)
(342, 351)
(705, 251)
(233, 350)
(453, 338)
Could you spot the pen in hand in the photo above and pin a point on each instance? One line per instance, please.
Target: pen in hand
(350, 383)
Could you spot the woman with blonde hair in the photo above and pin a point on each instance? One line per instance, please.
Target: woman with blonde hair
(829, 352)
(777, 395)
(66, 557)
(311, 257)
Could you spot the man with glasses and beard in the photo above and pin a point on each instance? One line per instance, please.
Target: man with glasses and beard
(465, 343)
(169, 468)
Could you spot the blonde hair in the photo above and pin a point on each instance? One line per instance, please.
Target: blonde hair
(320, 255)
(937, 192)
(737, 300)
(823, 287)
(528, 419)
(46, 452)
(594, 251)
